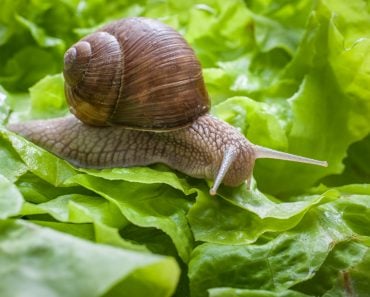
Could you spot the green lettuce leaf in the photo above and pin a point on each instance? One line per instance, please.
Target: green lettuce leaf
(338, 266)
(11, 164)
(356, 165)
(82, 209)
(290, 75)
(152, 205)
(160, 207)
(41, 163)
(35, 260)
(243, 216)
(353, 280)
(330, 106)
(232, 292)
(11, 199)
(47, 97)
(308, 257)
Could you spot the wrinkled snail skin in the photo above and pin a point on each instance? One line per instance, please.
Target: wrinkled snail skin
(208, 148)
(136, 90)
(196, 150)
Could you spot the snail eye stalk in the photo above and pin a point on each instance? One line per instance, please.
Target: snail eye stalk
(227, 160)
(263, 152)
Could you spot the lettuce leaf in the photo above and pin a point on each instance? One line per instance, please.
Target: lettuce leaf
(233, 292)
(290, 75)
(36, 260)
(11, 199)
(308, 257)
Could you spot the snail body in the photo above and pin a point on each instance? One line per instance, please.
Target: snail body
(137, 94)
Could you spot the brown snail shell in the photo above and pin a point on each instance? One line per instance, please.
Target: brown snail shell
(135, 72)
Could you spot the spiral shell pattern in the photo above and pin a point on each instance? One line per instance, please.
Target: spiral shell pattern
(135, 72)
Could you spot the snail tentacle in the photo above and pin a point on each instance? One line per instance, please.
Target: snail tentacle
(227, 160)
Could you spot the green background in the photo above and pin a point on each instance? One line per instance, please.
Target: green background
(291, 75)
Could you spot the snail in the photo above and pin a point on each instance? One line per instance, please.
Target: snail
(137, 95)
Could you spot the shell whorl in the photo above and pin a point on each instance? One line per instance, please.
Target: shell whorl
(92, 70)
(136, 72)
